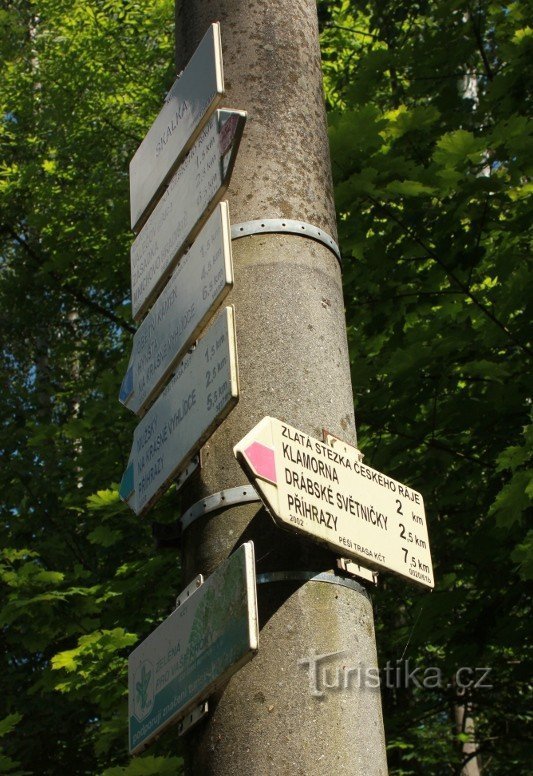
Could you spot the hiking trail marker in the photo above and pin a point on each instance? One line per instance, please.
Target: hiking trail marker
(188, 105)
(202, 392)
(197, 287)
(192, 194)
(333, 498)
(210, 635)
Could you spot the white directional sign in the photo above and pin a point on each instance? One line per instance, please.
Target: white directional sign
(335, 499)
(188, 105)
(196, 288)
(211, 634)
(179, 215)
(196, 400)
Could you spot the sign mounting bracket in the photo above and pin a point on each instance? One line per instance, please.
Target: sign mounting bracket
(193, 718)
(290, 226)
(355, 570)
(197, 582)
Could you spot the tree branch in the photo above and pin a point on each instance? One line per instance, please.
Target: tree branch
(351, 29)
(479, 41)
(458, 282)
(479, 234)
(437, 444)
(105, 120)
(80, 296)
(443, 292)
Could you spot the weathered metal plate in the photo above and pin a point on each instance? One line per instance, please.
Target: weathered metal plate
(204, 389)
(336, 500)
(197, 287)
(199, 647)
(189, 104)
(193, 192)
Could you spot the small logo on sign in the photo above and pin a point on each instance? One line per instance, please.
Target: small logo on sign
(227, 134)
(144, 690)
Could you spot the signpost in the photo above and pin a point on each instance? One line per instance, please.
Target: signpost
(196, 400)
(190, 102)
(336, 500)
(209, 636)
(197, 287)
(193, 192)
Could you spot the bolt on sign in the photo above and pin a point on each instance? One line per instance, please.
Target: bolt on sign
(336, 500)
(209, 636)
(203, 391)
(197, 287)
(192, 194)
(189, 104)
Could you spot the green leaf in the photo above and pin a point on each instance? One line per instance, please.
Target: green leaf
(104, 536)
(103, 499)
(456, 148)
(410, 188)
(66, 660)
(8, 724)
(513, 499)
(523, 555)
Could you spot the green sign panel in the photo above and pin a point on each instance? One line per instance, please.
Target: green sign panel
(207, 638)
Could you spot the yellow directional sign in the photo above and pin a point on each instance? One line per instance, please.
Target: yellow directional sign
(333, 498)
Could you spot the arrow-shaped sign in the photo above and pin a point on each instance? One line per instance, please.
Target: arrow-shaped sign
(192, 194)
(211, 634)
(188, 105)
(197, 287)
(202, 392)
(331, 497)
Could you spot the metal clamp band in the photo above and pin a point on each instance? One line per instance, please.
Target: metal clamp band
(280, 225)
(229, 497)
(309, 576)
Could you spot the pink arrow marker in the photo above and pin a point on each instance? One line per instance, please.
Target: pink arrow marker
(261, 459)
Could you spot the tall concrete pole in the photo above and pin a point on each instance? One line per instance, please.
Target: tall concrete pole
(293, 359)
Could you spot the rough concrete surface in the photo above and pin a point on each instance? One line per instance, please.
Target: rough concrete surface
(293, 364)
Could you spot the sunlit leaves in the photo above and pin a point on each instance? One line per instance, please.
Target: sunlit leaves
(457, 148)
(431, 145)
(80, 84)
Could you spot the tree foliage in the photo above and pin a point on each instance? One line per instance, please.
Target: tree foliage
(431, 147)
(80, 580)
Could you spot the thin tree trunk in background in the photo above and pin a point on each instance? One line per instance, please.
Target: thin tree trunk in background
(464, 723)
